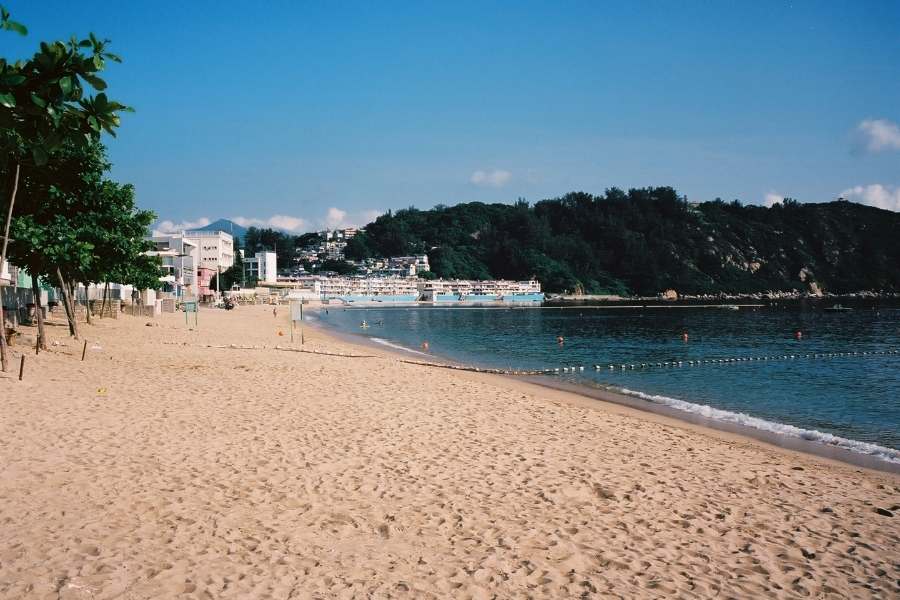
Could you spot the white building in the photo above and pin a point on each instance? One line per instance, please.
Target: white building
(5, 277)
(409, 265)
(263, 267)
(492, 288)
(216, 248)
(180, 258)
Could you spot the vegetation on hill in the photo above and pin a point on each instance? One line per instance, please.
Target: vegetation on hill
(648, 240)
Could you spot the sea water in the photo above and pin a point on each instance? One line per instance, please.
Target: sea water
(839, 383)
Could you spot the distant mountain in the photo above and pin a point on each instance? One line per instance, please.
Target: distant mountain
(649, 240)
(228, 226)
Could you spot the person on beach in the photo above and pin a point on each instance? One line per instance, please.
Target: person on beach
(275, 311)
(425, 346)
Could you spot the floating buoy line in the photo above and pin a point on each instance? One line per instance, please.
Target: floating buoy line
(608, 367)
(699, 362)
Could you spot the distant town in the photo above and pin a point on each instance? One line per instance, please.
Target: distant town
(194, 261)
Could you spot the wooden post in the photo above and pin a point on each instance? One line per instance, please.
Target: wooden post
(21, 367)
(38, 313)
(84, 350)
(12, 201)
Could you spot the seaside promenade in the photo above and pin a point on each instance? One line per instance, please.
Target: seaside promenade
(162, 467)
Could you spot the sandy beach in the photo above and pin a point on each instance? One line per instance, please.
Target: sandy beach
(161, 466)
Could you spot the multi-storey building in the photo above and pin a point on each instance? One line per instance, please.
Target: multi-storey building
(263, 267)
(216, 248)
(180, 257)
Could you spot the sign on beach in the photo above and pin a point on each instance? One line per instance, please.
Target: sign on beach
(191, 306)
(297, 317)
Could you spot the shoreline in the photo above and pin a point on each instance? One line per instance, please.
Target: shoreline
(608, 397)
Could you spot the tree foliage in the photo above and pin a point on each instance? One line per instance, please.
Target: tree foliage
(272, 240)
(71, 218)
(646, 240)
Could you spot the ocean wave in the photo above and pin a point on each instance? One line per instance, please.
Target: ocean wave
(384, 342)
(887, 454)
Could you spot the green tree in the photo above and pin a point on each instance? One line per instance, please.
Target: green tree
(43, 107)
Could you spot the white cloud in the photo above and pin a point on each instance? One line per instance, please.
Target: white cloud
(284, 222)
(493, 178)
(172, 226)
(878, 135)
(877, 195)
(772, 199)
(367, 216)
(335, 218)
(293, 224)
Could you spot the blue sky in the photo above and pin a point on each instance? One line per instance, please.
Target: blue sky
(303, 114)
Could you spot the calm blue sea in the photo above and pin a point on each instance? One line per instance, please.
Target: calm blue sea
(855, 396)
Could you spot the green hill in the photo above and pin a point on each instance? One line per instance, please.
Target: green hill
(647, 240)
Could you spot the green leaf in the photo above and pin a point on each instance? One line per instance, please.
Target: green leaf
(65, 85)
(7, 100)
(40, 156)
(96, 82)
(38, 101)
(13, 26)
(12, 79)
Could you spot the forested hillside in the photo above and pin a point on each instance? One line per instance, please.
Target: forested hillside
(647, 240)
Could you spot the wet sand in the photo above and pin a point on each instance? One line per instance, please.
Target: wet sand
(159, 467)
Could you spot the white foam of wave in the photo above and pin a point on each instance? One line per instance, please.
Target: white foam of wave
(745, 420)
(384, 342)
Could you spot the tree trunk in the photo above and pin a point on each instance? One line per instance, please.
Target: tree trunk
(73, 300)
(87, 303)
(70, 307)
(38, 312)
(12, 201)
(105, 298)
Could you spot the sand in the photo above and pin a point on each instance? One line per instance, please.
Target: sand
(159, 468)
